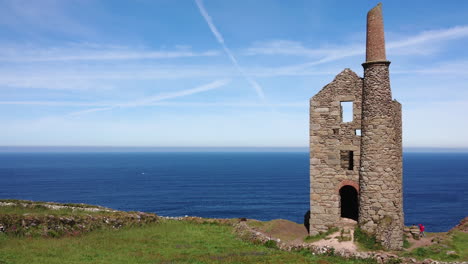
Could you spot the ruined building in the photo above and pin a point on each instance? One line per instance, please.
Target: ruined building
(356, 165)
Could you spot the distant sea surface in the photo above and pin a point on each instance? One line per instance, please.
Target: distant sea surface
(255, 185)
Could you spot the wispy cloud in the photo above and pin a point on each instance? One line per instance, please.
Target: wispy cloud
(94, 52)
(92, 110)
(287, 47)
(102, 106)
(329, 54)
(258, 89)
(156, 98)
(53, 103)
(429, 36)
(92, 77)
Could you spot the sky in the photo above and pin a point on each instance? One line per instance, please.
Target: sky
(211, 73)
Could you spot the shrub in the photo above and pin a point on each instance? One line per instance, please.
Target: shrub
(421, 252)
(271, 244)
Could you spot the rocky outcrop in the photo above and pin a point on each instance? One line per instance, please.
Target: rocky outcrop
(56, 206)
(462, 226)
(412, 231)
(81, 219)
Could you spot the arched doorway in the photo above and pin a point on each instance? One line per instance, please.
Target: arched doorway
(349, 202)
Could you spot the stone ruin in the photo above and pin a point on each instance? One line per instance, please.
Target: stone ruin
(356, 164)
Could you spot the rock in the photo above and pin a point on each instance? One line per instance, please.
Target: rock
(462, 226)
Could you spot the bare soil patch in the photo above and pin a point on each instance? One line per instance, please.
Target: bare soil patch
(283, 229)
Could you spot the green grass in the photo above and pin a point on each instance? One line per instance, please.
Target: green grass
(165, 242)
(321, 235)
(406, 243)
(366, 241)
(455, 241)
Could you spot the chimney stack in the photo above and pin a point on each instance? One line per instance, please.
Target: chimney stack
(375, 43)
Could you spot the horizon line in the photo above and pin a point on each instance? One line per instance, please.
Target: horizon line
(98, 148)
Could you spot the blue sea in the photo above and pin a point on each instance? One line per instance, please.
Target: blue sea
(255, 185)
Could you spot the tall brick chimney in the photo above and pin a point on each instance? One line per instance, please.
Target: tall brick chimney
(380, 179)
(375, 41)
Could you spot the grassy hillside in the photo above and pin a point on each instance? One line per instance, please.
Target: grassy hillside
(450, 246)
(164, 242)
(161, 241)
(55, 233)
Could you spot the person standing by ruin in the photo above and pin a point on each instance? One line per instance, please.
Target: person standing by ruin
(421, 231)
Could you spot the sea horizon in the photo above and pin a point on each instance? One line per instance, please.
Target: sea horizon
(107, 149)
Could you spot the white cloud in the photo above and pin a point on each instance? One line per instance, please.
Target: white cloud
(329, 54)
(103, 105)
(105, 77)
(287, 47)
(429, 36)
(52, 103)
(156, 98)
(94, 52)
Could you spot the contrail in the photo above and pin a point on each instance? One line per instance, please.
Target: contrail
(258, 89)
(157, 98)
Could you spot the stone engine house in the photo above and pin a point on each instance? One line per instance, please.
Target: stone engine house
(356, 159)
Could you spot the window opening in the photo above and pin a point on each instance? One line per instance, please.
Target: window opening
(346, 112)
(357, 132)
(347, 159)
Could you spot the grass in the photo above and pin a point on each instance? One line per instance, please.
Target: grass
(165, 242)
(455, 242)
(321, 235)
(366, 241)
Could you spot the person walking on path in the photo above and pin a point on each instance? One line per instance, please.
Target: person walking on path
(421, 231)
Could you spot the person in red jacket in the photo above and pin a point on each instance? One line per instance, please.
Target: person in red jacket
(421, 231)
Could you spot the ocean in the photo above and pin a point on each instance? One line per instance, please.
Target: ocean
(256, 185)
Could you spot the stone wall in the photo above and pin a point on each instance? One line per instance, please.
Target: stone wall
(376, 168)
(330, 140)
(381, 209)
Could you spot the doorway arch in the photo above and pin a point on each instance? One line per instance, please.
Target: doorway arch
(349, 202)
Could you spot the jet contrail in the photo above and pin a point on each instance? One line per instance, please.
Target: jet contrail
(258, 89)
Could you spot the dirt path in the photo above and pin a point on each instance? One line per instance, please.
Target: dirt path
(336, 244)
(425, 241)
(294, 233)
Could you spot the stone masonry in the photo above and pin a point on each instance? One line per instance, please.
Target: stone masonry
(361, 159)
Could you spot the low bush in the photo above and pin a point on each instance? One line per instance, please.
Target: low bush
(271, 244)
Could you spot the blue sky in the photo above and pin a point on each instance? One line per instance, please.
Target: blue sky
(217, 73)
